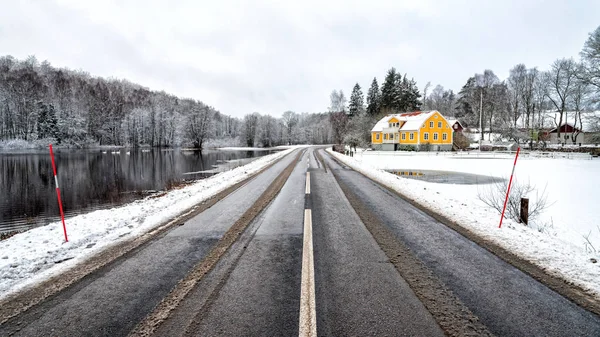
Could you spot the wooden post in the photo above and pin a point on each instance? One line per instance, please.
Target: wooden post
(524, 210)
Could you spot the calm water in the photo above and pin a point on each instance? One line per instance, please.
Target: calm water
(95, 179)
(446, 177)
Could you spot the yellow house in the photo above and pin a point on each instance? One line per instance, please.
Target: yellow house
(423, 130)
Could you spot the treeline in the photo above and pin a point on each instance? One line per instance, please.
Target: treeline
(41, 103)
(528, 101)
(293, 128)
(352, 124)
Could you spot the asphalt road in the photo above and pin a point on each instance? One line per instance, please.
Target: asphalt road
(310, 262)
(111, 301)
(507, 301)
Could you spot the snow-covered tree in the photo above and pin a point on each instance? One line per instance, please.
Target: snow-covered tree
(560, 80)
(290, 120)
(590, 56)
(390, 92)
(441, 100)
(338, 101)
(356, 104)
(373, 98)
(199, 125)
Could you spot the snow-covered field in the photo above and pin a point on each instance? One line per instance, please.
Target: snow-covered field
(40, 253)
(570, 185)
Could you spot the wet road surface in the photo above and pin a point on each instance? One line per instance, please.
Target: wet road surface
(331, 254)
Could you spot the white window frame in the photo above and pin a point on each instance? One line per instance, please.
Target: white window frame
(440, 125)
(403, 135)
(376, 136)
(435, 136)
(431, 124)
(426, 136)
(412, 136)
(444, 136)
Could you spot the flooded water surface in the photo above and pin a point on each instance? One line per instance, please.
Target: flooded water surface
(96, 179)
(447, 177)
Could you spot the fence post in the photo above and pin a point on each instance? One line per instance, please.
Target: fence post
(524, 210)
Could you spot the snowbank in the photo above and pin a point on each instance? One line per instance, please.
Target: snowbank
(557, 255)
(40, 253)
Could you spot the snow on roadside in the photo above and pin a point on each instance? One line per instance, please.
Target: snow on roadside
(458, 203)
(34, 256)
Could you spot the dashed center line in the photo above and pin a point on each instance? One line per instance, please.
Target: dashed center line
(308, 316)
(307, 182)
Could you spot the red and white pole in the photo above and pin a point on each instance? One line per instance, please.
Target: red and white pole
(62, 214)
(508, 190)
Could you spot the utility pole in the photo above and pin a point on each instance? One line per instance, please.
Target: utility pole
(480, 117)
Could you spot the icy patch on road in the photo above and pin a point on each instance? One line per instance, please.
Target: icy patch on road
(36, 255)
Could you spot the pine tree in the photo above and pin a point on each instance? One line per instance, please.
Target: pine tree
(400, 93)
(373, 98)
(356, 104)
(389, 91)
(411, 96)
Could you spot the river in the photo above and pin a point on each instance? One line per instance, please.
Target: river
(98, 179)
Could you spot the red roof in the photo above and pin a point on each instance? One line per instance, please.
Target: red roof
(410, 114)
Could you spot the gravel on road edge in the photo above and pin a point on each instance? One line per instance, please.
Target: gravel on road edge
(453, 316)
(29, 297)
(563, 286)
(162, 311)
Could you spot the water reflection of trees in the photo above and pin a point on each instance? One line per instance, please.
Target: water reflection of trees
(92, 179)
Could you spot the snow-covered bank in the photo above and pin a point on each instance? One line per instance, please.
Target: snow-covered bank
(40, 253)
(556, 254)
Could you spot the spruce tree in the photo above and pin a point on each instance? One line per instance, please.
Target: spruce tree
(400, 90)
(52, 123)
(373, 98)
(42, 120)
(389, 91)
(47, 125)
(356, 104)
(411, 96)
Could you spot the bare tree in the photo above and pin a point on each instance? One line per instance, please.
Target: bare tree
(590, 56)
(494, 197)
(290, 119)
(338, 101)
(516, 86)
(339, 123)
(441, 100)
(560, 81)
(199, 125)
(528, 99)
(579, 100)
(425, 90)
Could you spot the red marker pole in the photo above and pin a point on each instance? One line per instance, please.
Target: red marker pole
(62, 214)
(508, 190)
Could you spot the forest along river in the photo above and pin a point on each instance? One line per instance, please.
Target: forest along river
(98, 179)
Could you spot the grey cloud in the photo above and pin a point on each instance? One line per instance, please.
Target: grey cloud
(270, 58)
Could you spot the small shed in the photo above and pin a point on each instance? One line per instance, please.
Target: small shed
(455, 125)
(568, 135)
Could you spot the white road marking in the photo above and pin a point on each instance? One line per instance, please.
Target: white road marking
(308, 316)
(307, 182)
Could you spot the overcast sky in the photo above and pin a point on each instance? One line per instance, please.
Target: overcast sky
(273, 56)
